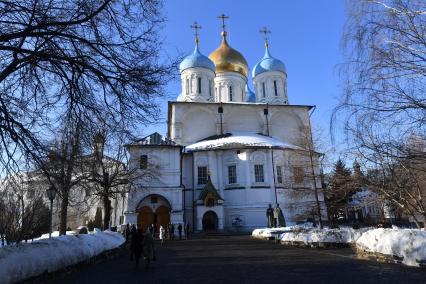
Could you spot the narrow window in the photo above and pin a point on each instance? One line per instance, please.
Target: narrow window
(232, 174)
(275, 88)
(263, 89)
(202, 175)
(230, 93)
(298, 174)
(199, 85)
(210, 88)
(258, 173)
(144, 162)
(279, 174)
(187, 86)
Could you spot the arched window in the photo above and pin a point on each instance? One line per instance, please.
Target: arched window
(199, 85)
(275, 88)
(230, 93)
(210, 88)
(187, 86)
(263, 90)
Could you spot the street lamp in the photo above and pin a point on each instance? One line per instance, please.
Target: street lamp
(51, 193)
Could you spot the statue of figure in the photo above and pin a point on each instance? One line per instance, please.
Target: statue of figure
(281, 220)
(279, 217)
(276, 216)
(270, 216)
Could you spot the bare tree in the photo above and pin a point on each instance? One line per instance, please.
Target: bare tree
(106, 175)
(63, 168)
(383, 104)
(69, 57)
(23, 212)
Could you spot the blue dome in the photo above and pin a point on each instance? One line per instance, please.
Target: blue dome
(196, 59)
(268, 63)
(250, 96)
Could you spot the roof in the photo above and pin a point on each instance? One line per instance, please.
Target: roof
(267, 64)
(154, 139)
(209, 188)
(239, 140)
(196, 59)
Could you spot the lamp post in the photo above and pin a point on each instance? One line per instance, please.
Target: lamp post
(51, 193)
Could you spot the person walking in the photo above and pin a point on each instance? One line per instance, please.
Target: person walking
(162, 234)
(127, 232)
(180, 231)
(187, 231)
(172, 231)
(148, 249)
(136, 247)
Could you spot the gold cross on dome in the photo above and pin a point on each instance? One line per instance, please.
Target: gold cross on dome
(195, 26)
(223, 17)
(265, 33)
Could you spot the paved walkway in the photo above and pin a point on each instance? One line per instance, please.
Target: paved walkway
(240, 259)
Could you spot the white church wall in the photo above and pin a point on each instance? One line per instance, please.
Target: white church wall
(192, 122)
(197, 124)
(163, 165)
(245, 119)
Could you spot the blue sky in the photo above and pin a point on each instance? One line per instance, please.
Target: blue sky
(305, 36)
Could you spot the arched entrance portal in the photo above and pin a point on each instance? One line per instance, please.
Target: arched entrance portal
(153, 209)
(145, 217)
(162, 216)
(210, 221)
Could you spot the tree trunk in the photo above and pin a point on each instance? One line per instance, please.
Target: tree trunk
(107, 210)
(64, 215)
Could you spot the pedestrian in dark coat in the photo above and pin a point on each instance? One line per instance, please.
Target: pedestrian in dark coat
(148, 248)
(187, 231)
(127, 233)
(136, 246)
(172, 231)
(180, 231)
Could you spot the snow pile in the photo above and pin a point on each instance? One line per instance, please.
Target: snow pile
(47, 255)
(341, 235)
(407, 243)
(239, 139)
(265, 233)
(54, 234)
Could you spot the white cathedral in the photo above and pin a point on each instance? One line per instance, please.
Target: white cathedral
(229, 152)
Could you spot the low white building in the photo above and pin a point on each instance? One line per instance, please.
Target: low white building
(229, 152)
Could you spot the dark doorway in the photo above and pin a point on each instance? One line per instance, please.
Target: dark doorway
(145, 218)
(210, 221)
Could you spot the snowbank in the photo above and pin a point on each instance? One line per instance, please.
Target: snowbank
(266, 233)
(406, 245)
(338, 236)
(32, 259)
(410, 244)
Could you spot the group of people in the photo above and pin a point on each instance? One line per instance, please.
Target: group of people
(275, 217)
(141, 244)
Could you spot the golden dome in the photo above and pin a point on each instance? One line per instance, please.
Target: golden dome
(227, 59)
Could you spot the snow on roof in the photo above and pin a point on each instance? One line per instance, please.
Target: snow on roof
(239, 140)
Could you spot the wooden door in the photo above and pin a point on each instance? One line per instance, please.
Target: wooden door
(145, 218)
(163, 216)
